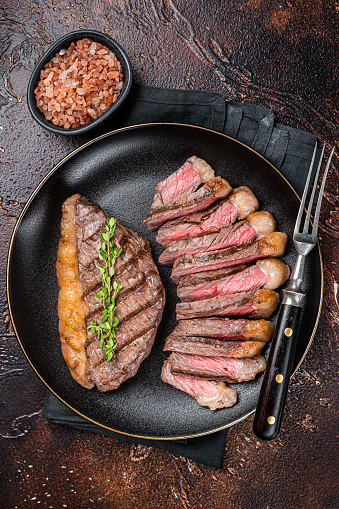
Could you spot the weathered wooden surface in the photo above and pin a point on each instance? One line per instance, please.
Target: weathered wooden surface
(278, 54)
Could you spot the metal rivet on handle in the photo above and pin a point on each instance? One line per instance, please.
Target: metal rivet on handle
(288, 332)
(279, 378)
(271, 419)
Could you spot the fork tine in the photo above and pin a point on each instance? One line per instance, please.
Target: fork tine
(320, 197)
(303, 200)
(310, 204)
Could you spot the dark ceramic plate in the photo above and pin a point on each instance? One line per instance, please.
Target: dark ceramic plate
(119, 171)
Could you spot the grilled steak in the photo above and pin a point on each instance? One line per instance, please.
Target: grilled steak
(212, 347)
(239, 205)
(270, 273)
(211, 394)
(176, 196)
(238, 234)
(225, 369)
(139, 304)
(190, 176)
(270, 245)
(224, 328)
(255, 304)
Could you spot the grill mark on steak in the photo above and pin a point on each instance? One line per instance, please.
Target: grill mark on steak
(125, 364)
(128, 314)
(139, 304)
(136, 285)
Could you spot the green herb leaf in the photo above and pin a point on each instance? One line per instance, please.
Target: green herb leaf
(108, 324)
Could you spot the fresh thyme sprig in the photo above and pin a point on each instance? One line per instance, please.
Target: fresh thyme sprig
(106, 329)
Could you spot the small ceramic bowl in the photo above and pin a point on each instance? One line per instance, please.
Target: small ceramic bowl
(64, 42)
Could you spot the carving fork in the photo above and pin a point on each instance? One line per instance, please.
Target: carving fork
(268, 417)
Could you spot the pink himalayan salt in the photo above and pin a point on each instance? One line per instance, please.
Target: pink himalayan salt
(79, 84)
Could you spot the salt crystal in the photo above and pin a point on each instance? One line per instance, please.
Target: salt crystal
(63, 75)
(62, 52)
(92, 113)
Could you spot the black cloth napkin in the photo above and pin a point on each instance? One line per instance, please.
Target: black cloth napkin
(289, 149)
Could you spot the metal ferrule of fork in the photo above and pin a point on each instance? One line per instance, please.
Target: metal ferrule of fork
(293, 295)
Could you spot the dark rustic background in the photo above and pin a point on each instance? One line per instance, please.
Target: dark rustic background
(278, 54)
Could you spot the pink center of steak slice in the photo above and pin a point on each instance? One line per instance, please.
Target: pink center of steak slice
(248, 279)
(220, 216)
(185, 180)
(272, 245)
(216, 368)
(206, 393)
(237, 234)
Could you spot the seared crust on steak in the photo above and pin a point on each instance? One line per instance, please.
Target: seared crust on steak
(240, 329)
(72, 309)
(212, 347)
(139, 304)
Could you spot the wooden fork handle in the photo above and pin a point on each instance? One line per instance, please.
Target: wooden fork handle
(268, 416)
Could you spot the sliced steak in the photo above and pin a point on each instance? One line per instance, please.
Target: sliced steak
(270, 273)
(272, 245)
(211, 394)
(255, 304)
(238, 234)
(239, 205)
(190, 176)
(201, 199)
(240, 329)
(140, 302)
(212, 347)
(225, 369)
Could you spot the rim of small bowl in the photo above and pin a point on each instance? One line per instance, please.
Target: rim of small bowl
(64, 42)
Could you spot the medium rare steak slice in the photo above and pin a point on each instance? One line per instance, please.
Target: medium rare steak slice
(226, 369)
(270, 273)
(255, 226)
(139, 304)
(240, 329)
(270, 245)
(211, 394)
(190, 189)
(255, 304)
(201, 199)
(190, 176)
(239, 205)
(212, 347)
